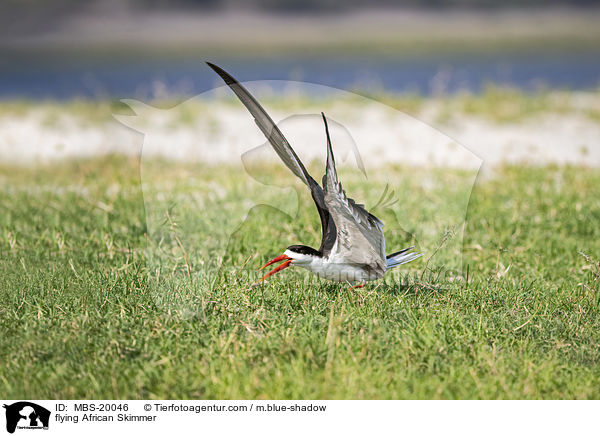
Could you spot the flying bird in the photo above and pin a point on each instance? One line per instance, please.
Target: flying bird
(353, 245)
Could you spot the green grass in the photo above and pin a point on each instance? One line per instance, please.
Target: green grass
(95, 305)
(498, 104)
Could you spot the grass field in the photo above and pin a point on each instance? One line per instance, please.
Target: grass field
(90, 310)
(499, 104)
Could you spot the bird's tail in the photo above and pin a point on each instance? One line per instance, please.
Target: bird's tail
(401, 257)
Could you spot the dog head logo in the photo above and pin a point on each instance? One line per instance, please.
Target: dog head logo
(26, 415)
(183, 203)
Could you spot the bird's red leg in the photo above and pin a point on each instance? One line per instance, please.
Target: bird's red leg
(362, 285)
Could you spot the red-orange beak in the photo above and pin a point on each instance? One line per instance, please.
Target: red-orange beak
(284, 265)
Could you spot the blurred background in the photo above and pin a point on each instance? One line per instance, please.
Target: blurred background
(513, 81)
(62, 49)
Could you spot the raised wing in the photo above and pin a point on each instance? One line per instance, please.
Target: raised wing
(266, 125)
(283, 150)
(360, 237)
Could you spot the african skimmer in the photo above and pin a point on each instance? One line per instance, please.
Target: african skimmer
(353, 245)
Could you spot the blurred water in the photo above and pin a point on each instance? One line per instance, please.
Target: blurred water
(63, 76)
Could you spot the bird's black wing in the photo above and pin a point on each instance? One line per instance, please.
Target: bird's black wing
(359, 235)
(284, 151)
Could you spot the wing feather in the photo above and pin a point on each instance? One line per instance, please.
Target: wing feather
(285, 151)
(266, 125)
(360, 236)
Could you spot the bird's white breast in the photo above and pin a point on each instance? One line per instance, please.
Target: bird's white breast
(338, 271)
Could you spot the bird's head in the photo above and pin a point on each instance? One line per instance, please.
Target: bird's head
(293, 255)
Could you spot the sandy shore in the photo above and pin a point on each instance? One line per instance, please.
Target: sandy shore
(218, 131)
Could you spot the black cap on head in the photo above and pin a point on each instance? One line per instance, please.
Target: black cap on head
(303, 249)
